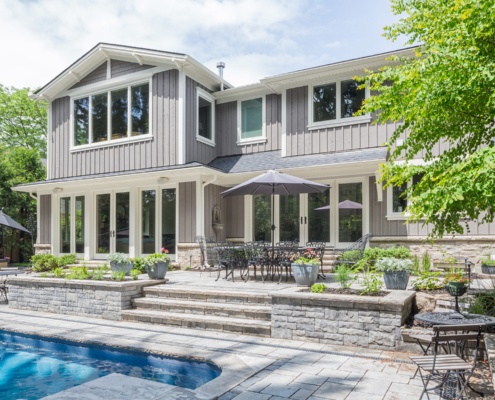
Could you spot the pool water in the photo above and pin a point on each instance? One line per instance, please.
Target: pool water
(32, 367)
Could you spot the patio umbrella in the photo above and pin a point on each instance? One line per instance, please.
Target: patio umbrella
(346, 204)
(5, 220)
(275, 182)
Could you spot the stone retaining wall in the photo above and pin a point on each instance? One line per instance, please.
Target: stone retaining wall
(98, 299)
(371, 322)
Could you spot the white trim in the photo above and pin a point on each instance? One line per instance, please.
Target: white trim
(209, 98)
(283, 123)
(338, 121)
(110, 141)
(181, 120)
(49, 138)
(258, 139)
(200, 218)
(109, 69)
(391, 214)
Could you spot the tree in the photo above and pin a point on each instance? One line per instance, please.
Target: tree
(22, 120)
(445, 94)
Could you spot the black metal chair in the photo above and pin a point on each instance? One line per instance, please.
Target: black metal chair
(358, 246)
(285, 252)
(451, 372)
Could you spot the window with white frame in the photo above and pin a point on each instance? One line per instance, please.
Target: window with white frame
(205, 117)
(397, 200)
(114, 114)
(251, 117)
(335, 102)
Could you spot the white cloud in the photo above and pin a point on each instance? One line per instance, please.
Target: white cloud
(256, 38)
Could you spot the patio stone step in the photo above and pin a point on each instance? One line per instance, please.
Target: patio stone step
(207, 322)
(205, 295)
(229, 310)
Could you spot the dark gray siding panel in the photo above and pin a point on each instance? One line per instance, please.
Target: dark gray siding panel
(301, 141)
(195, 150)
(45, 230)
(235, 217)
(226, 127)
(187, 212)
(158, 152)
(119, 68)
(97, 75)
(213, 198)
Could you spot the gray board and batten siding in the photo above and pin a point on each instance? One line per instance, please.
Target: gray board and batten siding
(45, 228)
(187, 212)
(159, 151)
(381, 226)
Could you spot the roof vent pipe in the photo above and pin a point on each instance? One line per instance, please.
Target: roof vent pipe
(221, 66)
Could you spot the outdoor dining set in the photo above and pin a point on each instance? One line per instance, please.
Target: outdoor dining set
(270, 261)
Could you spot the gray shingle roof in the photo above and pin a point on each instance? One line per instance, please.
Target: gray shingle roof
(273, 160)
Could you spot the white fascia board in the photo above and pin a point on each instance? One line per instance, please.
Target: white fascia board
(242, 93)
(125, 180)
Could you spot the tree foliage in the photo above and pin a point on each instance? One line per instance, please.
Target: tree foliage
(22, 120)
(445, 94)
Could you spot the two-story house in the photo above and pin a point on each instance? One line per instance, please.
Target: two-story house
(142, 142)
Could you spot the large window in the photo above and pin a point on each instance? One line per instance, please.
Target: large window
(205, 117)
(251, 118)
(397, 200)
(91, 115)
(336, 101)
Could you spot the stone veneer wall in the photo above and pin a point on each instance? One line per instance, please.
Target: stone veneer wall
(98, 299)
(473, 247)
(371, 322)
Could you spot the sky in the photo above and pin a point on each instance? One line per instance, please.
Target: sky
(255, 38)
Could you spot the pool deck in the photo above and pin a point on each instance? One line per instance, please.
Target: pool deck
(253, 368)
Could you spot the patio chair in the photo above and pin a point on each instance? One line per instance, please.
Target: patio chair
(285, 252)
(209, 256)
(451, 372)
(257, 256)
(359, 246)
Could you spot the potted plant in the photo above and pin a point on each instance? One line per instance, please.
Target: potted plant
(456, 278)
(157, 264)
(488, 266)
(120, 262)
(305, 268)
(395, 272)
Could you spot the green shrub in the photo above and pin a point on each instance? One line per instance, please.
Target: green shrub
(44, 262)
(426, 264)
(58, 272)
(483, 303)
(118, 275)
(98, 273)
(372, 254)
(66, 259)
(344, 276)
(318, 288)
(135, 274)
(78, 273)
(428, 281)
(372, 284)
(351, 255)
(488, 262)
(139, 264)
(391, 264)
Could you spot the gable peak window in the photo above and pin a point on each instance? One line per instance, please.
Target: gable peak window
(114, 114)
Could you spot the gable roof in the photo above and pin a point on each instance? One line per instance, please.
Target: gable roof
(106, 51)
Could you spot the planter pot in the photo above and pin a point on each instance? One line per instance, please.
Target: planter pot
(396, 280)
(119, 267)
(457, 285)
(456, 288)
(305, 274)
(488, 269)
(159, 270)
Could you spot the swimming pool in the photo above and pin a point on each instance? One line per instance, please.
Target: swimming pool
(32, 367)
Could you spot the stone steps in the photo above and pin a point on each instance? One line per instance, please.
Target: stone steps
(241, 311)
(230, 310)
(207, 322)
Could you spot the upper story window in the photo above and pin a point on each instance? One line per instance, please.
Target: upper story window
(335, 103)
(116, 114)
(251, 116)
(205, 117)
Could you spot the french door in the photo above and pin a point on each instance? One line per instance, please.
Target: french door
(112, 223)
(72, 224)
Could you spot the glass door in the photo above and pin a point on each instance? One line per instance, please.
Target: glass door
(72, 224)
(289, 218)
(112, 223)
(315, 224)
(350, 212)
